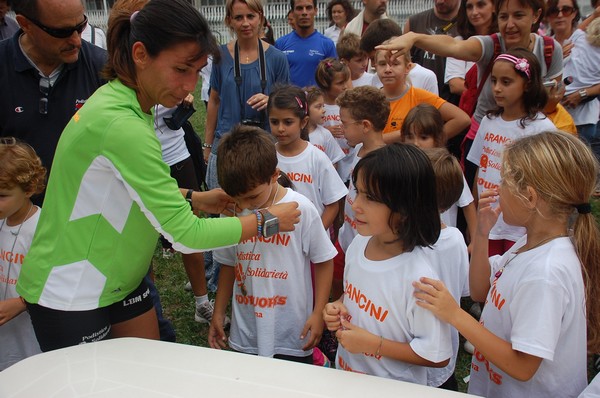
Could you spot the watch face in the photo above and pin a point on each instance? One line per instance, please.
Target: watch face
(271, 227)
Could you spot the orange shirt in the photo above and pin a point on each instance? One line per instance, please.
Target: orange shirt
(562, 120)
(399, 108)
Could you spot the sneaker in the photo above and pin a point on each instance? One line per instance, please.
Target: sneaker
(204, 313)
(469, 347)
(188, 287)
(168, 253)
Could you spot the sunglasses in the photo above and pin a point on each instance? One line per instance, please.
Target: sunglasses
(62, 33)
(566, 11)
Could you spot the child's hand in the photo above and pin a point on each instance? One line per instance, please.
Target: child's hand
(337, 131)
(435, 297)
(216, 333)
(356, 340)
(487, 215)
(314, 325)
(332, 314)
(10, 308)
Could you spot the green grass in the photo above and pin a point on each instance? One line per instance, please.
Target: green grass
(178, 304)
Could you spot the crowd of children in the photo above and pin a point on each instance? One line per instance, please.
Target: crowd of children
(377, 263)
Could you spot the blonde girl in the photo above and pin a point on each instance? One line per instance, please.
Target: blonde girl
(531, 339)
(21, 176)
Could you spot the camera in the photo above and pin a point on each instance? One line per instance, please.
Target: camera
(251, 122)
(180, 116)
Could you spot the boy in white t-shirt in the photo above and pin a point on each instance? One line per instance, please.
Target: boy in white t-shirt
(269, 277)
(349, 52)
(449, 257)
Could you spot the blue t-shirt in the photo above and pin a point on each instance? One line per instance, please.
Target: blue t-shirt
(223, 82)
(304, 55)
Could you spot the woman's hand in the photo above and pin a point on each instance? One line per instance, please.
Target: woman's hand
(206, 154)
(336, 130)
(398, 46)
(215, 201)
(435, 297)
(572, 100)
(258, 101)
(486, 214)
(288, 215)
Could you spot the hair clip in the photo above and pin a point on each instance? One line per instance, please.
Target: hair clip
(132, 17)
(521, 64)
(328, 64)
(299, 102)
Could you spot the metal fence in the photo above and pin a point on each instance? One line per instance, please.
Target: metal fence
(276, 13)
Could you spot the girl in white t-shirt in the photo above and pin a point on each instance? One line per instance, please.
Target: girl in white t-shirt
(380, 329)
(423, 127)
(531, 338)
(333, 78)
(309, 169)
(318, 135)
(21, 176)
(520, 97)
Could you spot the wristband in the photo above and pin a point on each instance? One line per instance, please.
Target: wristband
(378, 352)
(188, 197)
(206, 146)
(259, 220)
(582, 93)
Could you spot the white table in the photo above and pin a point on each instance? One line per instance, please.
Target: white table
(132, 368)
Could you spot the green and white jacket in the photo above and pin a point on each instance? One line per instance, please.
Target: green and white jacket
(109, 196)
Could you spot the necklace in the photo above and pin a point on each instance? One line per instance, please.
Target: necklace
(242, 274)
(12, 250)
(498, 273)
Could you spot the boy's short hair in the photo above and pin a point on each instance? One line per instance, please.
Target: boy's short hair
(246, 158)
(348, 46)
(377, 32)
(449, 180)
(376, 112)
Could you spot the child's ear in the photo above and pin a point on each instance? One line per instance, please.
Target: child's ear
(366, 125)
(275, 175)
(532, 197)
(304, 121)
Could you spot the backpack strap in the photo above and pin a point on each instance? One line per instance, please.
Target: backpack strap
(93, 31)
(548, 50)
(488, 69)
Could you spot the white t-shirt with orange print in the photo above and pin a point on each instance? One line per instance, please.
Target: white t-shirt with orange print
(379, 298)
(275, 275)
(537, 303)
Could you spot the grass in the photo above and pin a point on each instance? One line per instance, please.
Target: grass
(178, 304)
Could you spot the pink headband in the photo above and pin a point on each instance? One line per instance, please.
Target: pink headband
(521, 64)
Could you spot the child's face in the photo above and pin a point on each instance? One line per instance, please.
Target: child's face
(357, 65)
(353, 130)
(286, 127)
(372, 217)
(507, 85)
(514, 210)
(316, 111)
(13, 201)
(259, 197)
(420, 140)
(339, 85)
(392, 74)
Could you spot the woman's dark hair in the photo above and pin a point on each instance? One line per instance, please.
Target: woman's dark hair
(268, 31)
(535, 95)
(401, 177)
(348, 9)
(159, 25)
(292, 98)
(464, 27)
